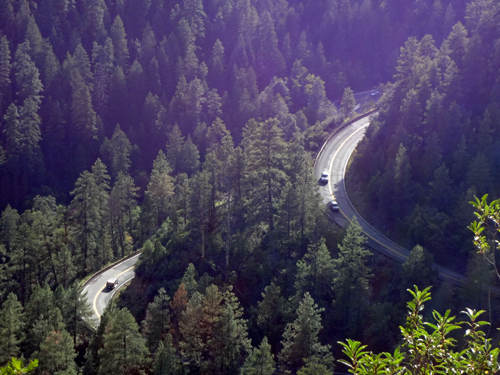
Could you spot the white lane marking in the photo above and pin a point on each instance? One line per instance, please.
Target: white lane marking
(336, 153)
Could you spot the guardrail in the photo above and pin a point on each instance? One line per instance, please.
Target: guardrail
(102, 270)
(335, 131)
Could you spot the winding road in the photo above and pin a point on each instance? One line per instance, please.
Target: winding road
(333, 159)
(98, 296)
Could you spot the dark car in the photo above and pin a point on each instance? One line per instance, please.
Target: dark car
(334, 206)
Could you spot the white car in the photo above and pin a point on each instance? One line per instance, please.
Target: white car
(324, 177)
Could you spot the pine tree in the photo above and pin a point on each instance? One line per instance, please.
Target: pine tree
(352, 274)
(102, 62)
(315, 272)
(260, 361)
(273, 313)
(189, 158)
(189, 279)
(117, 151)
(166, 360)
(83, 116)
(29, 91)
(160, 188)
(190, 328)
(157, 322)
(122, 204)
(229, 344)
(266, 158)
(57, 354)
(217, 66)
(199, 205)
(119, 38)
(300, 340)
(270, 61)
(11, 328)
(12, 131)
(87, 214)
(5, 70)
(177, 306)
(42, 317)
(124, 350)
(348, 103)
(174, 146)
(76, 312)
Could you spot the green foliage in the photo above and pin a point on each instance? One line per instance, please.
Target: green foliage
(57, 354)
(166, 360)
(124, 349)
(11, 325)
(429, 348)
(16, 367)
(486, 229)
(300, 340)
(260, 361)
(157, 322)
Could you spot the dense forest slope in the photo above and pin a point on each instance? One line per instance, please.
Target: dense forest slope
(435, 143)
(77, 69)
(187, 129)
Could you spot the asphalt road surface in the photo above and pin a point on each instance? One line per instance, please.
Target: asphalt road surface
(98, 296)
(334, 159)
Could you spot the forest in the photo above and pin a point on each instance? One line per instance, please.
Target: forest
(187, 130)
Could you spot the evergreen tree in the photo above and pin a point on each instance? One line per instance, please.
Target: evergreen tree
(11, 328)
(166, 360)
(352, 274)
(157, 322)
(315, 272)
(122, 205)
(29, 88)
(124, 350)
(273, 313)
(117, 151)
(76, 312)
(12, 131)
(57, 354)
(83, 116)
(229, 344)
(189, 158)
(160, 188)
(199, 204)
(119, 38)
(192, 336)
(348, 103)
(300, 340)
(87, 216)
(42, 317)
(265, 153)
(102, 62)
(260, 361)
(177, 306)
(189, 280)
(174, 147)
(5, 71)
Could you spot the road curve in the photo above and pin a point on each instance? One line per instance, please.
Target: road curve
(98, 296)
(334, 158)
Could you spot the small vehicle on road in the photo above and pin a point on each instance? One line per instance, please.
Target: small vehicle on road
(112, 283)
(334, 206)
(324, 177)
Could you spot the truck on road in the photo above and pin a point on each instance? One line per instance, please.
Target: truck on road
(112, 283)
